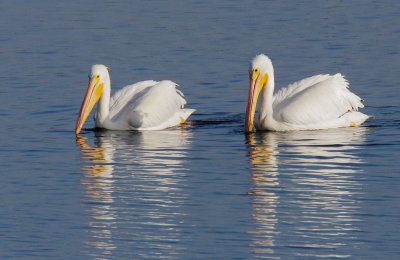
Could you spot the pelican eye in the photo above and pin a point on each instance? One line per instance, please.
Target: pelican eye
(256, 72)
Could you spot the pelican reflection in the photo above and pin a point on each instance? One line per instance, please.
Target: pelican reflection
(134, 183)
(305, 192)
(99, 189)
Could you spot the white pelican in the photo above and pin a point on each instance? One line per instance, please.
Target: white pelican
(318, 102)
(146, 105)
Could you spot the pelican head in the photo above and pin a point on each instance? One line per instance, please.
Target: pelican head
(260, 70)
(97, 78)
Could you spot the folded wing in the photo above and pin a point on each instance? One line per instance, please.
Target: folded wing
(149, 105)
(316, 99)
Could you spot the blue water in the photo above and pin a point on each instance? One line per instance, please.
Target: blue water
(205, 190)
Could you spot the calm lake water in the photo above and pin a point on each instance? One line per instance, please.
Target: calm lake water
(205, 190)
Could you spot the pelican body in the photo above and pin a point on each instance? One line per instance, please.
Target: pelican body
(146, 105)
(318, 102)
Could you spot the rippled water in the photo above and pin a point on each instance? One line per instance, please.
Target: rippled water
(205, 190)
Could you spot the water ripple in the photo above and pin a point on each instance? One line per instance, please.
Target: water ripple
(142, 192)
(315, 178)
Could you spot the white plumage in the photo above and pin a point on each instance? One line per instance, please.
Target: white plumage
(146, 105)
(318, 102)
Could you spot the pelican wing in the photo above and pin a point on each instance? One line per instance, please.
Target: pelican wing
(127, 95)
(298, 86)
(149, 105)
(315, 99)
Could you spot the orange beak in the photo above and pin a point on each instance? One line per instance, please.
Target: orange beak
(254, 91)
(251, 107)
(93, 94)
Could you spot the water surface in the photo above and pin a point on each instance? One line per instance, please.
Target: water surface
(205, 190)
